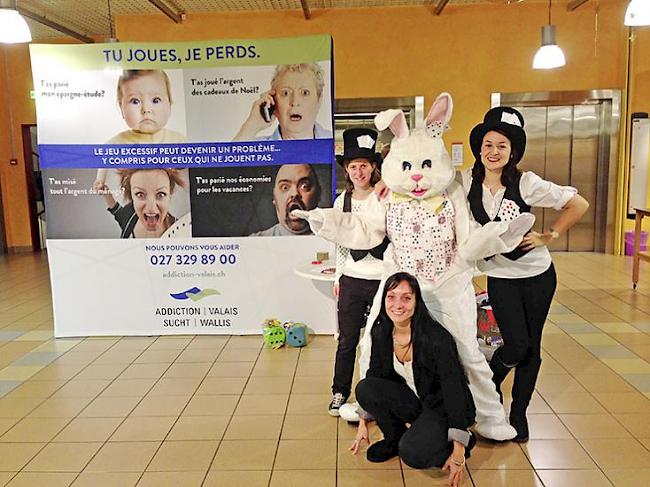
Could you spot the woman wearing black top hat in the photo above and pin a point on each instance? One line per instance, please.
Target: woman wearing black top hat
(357, 271)
(521, 283)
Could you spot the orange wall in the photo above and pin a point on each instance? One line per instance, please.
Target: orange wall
(470, 51)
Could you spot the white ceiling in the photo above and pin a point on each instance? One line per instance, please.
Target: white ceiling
(91, 17)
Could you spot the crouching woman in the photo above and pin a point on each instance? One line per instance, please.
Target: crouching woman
(415, 377)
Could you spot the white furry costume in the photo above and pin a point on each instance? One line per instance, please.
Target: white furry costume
(433, 237)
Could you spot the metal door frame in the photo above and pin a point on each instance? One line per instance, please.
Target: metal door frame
(605, 214)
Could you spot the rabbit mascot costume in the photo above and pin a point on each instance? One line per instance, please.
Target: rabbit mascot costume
(433, 237)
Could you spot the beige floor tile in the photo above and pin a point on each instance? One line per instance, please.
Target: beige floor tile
(19, 406)
(82, 388)
(312, 385)
(301, 478)
(262, 404)
(314, 369)
(624, 402)
(187, 370)
(125, 357)
(245, 455)
(238, 355)
(88, 429)
(306, 454)
(628, 365)
(74, 357)
(268, 385)
(34, 430)
(175, 386)
(101, 371)
(128, 387)
(629, 477)
(546, 426)
(183, 456)
(123, 457)
(432, 477)
(312, 404)
(158, 406)
(63, 457)
(110, 407)
(637, 424)
(133, 343)
(171, 479)
(6, 476)
(199, 428)
(537, 404)
(557, 454)
(106, 479)
(36, 388)
(209, 342)
(231, 369)
(254, 427)
(14, 456)
(610, 382)
(307, 427)
(211, 406)
(144, 429)
(572, 478)
(61, 407)
(347, 461)
(6, 424)
(244, 342)
(157, 356)
(171, 342)
(498, 478)
(369, 478)
(222, 385)
(57, 371)
(573, 403)
(591, 366)
(273, 369)
(237, 478)
(49, 479)
(549, 384)
(594, 426)
(144, 371)
(489, 456)
(617, 453)
(206, 355)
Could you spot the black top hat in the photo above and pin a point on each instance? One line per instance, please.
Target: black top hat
(506, 120)
(359, 143)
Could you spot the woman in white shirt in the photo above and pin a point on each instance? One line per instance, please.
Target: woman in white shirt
(521, 283)
(357, 271)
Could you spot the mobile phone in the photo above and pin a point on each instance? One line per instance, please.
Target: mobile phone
(266, 110)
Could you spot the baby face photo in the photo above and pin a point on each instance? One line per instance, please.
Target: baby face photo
(126, 107)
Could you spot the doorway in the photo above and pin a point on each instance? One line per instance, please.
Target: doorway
(33, 176)
(573, 141)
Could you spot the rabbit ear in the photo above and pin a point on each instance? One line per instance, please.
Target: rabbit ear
(440, 110)
(394, 120)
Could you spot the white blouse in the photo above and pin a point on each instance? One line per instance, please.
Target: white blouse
(535, 192)
(367, 268)
(405, 370)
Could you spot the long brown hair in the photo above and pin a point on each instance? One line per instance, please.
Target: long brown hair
(510, 174)
(375, 177)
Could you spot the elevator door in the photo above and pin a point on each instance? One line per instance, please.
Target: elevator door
(563, 147)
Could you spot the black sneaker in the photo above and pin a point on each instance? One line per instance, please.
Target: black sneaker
(382, 451)
(338, 400)
(520, 423)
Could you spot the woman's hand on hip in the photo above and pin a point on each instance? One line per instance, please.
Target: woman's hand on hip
(535, 239)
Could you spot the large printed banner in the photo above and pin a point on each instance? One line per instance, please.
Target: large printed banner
(169, 174)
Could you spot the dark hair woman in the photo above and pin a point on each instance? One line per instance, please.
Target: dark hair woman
(521, 283)
(415, 377)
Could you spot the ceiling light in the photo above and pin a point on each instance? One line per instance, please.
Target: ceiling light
(13, 27)
(550, 55)
(637, 13)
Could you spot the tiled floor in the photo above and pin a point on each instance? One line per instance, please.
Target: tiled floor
(223, 411)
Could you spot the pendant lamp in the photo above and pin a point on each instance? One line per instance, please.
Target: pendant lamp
(550, 55)
(13, 27)
(637, 13)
